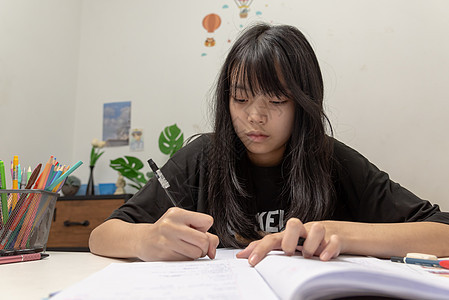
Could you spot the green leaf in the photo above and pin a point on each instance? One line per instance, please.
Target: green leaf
(137, 187)
(171, 140)
(92, 156)
(129, 168)
(95, 154)
(134, 162)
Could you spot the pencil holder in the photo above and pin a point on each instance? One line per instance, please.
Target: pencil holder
(26, 217)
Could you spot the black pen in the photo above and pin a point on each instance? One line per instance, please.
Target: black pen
(161, 178)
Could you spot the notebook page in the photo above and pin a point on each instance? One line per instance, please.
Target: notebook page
(347, 276)
(226, 278)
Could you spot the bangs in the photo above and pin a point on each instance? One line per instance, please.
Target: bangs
(256, 70)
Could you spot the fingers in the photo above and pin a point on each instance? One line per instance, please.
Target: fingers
(195, 238)
(245, 253)
(213, 244)
(286, 240)
(195, 244)
(256, 251)
(183, 235)
(293, 230)
(315, 237)
(199, 221)
(332, 249)
(315, 242)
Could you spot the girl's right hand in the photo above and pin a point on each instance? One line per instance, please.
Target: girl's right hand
(178, 235)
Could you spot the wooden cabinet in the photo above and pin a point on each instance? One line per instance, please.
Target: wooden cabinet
(75, 217)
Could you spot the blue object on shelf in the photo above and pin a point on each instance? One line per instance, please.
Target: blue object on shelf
(107, 188)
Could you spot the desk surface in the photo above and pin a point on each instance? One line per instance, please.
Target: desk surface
(58, 271)
(36, 280)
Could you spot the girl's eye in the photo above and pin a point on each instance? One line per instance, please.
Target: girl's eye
(240, 100)
(278, 102)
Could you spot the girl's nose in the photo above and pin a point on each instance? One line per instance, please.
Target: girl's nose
(257, 113)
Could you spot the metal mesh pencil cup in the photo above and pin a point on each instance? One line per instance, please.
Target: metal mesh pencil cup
(26, 223)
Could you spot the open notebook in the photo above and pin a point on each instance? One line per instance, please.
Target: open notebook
(276, 277)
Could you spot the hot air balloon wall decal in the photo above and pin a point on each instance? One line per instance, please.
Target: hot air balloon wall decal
(243, 5)
(211, 22)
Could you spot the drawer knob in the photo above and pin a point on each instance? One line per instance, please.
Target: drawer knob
(68, 223)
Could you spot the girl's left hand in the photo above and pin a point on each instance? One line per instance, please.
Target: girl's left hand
(316, 243)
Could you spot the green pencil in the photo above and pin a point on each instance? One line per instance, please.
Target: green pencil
(4, 199)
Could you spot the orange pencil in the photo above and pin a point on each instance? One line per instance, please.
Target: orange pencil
(40, 183)
(32, 210)
(15, 182)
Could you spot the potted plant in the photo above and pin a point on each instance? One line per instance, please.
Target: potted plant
(171, 140)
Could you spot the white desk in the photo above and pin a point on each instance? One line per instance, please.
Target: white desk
(36, 280)
(56, 272)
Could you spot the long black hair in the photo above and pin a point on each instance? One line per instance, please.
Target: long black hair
(269, 59)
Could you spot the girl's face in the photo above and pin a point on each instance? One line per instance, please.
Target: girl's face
(263, 123)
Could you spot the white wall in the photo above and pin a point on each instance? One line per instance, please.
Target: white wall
(385, 66)
(39, 47)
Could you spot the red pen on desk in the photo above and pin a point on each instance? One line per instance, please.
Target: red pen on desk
(23, 257)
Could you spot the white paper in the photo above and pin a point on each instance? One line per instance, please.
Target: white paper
(299, 278)
(276, 276)
(223, 278)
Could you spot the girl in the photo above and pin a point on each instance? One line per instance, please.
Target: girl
(270, 160)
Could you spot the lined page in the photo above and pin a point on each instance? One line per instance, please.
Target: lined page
(222, 278)
(299, 278)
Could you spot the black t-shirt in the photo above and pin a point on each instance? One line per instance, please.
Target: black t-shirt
(268, 200)
(363, 193)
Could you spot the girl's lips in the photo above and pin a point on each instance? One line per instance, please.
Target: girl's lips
(257, 137)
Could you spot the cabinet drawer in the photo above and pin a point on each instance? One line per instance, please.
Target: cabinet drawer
(74, 220)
